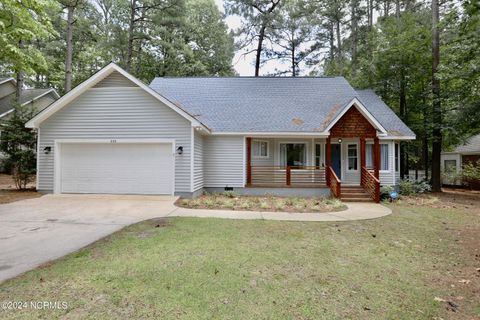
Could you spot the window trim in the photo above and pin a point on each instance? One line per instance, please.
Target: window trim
(321, 157)
(396, 156)
(348, 156)
(268, 149)
(292, 142)
(388, 157)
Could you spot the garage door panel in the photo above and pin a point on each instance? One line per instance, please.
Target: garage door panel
(117, 168)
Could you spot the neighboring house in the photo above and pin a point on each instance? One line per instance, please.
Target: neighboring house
(39, 99)
(290, 136)
(468, 152)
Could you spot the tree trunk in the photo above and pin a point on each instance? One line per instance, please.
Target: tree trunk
(261, 36)
(332, 43)
(436, 106)
(294, 73)
(369, 14)
(354, 5)
(69, 50)
(339, 48)
(131, 29)
(386, 8)
(397, 9)
(20, 75)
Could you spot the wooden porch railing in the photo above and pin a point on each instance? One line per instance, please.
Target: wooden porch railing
(279, 176)
(371, 184)
(334, 182)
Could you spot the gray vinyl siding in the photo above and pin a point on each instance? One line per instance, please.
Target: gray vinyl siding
(115, 113)
(223, 161)
(115, 79)
(198, 155)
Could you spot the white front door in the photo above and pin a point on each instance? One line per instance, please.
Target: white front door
(116, 168)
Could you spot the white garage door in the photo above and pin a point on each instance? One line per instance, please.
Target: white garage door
(116, 168)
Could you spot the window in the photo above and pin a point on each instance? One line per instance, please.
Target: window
(318, 156)
(369, 155)
(384, 156)
(293, 154)
(352, 157)
(397, 163)
(260, 149)
(450, 165)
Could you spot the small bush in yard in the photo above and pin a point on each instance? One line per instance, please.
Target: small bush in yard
(471, 174)
(335, 203)
(18, 144)
(230, 194)
(408, 187)
(385, 191)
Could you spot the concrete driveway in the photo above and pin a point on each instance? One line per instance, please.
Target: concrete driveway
(35, 231)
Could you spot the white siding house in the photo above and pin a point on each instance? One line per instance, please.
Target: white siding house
(114, 134)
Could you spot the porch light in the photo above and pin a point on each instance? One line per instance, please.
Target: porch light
(47, 150)
(339, 140)
(180, 150)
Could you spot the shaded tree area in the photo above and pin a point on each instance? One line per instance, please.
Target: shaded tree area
(62, 43)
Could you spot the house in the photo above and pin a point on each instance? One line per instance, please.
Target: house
(463, 153)
(39, 99)
(182, 136)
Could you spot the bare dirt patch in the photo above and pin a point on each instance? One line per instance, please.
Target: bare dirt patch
(448, 199)
(8, 192)
(7, 196)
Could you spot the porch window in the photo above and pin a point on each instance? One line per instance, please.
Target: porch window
(260, 149)
(352, 157)
(384, 157)
(293, 154)
(369, 155)
(318, 156)
(397, 163)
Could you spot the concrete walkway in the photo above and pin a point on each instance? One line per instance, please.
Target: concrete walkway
(355, 211)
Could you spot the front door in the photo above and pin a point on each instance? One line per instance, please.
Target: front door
(336, 160)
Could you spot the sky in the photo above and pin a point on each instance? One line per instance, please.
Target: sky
(244, 64)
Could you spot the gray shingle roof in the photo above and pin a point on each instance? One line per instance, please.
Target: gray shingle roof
(6, 103)
(471, 145)
(387, 118)
(270, 104)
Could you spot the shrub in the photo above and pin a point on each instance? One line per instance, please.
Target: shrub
(18, 144)
(230, 194)
(409, 187)
(471, 174)
(385, 192)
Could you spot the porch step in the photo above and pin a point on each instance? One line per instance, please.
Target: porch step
(355, 194)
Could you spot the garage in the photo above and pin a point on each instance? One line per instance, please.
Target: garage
(114, 167)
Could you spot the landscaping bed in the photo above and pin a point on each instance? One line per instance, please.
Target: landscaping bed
(232, 201)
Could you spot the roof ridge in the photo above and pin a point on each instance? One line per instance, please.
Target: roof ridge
(249, 77)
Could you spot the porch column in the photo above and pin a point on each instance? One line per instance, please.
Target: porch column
(249, 161)
(362, 159)
(376, 157)
(328, 159)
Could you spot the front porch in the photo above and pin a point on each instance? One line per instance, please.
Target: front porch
(339, 164)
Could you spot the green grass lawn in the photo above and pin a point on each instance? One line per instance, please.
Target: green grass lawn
(186, 268)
